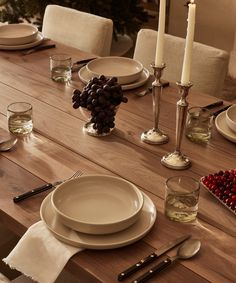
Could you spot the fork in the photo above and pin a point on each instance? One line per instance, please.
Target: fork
(44, 187)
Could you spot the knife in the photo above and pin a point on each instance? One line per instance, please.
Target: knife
(37, 191)
(221, 110)
(150, 258)
(38, 48)
(79, 64)
(214, 104)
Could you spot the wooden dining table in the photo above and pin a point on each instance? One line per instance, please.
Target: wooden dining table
(58, 146)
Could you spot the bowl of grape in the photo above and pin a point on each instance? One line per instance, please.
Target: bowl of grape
(99, 101)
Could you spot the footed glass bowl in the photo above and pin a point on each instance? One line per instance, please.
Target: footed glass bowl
(103, 127)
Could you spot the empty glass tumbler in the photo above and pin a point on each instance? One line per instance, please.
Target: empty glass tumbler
(20, 121)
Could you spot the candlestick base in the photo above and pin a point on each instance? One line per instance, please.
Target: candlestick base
(176, 160)
(154, 137)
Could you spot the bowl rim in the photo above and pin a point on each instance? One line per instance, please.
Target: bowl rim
(131, 185)
(136, 63)
(228, 118)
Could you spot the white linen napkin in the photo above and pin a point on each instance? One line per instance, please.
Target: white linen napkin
(39, 255)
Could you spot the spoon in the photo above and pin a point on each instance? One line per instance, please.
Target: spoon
(8, 144)
(185, 251)
(144, 92)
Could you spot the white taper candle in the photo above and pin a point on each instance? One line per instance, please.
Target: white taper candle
(185, 78)
(160, 34)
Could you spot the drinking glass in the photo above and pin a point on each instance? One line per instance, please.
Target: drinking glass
(60, 67)
(198, 125)
(181, 198)
(19, 116)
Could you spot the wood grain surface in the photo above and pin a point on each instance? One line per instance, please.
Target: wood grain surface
(58, 147)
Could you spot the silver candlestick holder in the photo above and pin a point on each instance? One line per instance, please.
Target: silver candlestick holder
(155, 136)
(177, 160)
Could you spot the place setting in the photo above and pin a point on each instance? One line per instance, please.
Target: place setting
(122, 216)
(83, 212)
(22, 36)
(129, 72)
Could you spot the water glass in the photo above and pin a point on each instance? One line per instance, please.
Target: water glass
(19, 116)
(198, 124)
(181, 198)
(60, 67)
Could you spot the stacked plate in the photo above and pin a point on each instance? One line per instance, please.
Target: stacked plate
(19, 36)
(129, 72)
(226, 123)
(98, 212)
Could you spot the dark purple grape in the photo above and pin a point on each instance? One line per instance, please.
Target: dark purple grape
(100, 96)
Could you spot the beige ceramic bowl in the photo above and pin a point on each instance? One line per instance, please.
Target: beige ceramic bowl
(231, 117)
(125, 69)
(97, 204)
(17, 34)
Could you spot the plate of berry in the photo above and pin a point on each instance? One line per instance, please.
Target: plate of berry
(222, 185)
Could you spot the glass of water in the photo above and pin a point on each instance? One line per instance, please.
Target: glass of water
(181, 198)
(19, 116)
(60, 67)
(198, 125)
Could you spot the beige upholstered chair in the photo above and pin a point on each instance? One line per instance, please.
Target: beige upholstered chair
(77, 29)
(209, 65)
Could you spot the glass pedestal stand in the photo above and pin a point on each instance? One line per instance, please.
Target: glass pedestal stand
(177, 160)
(155, 136)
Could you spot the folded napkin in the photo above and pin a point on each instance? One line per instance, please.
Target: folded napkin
(39, 255)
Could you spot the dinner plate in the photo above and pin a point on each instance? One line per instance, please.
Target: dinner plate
(223, 128)
(38, 40)
(128, 236)
(85, 76)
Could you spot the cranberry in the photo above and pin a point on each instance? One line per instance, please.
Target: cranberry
(223, 186)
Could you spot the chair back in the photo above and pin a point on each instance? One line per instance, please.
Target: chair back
(209, 64)
(77, 29)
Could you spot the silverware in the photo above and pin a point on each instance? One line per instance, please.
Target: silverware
(80, 64)
(149, 89)
(144, 92)
(221, 110)
(185, 251)
(44, 188)
(8, 144)
(150, 258)
(38, 48)
(214, 104)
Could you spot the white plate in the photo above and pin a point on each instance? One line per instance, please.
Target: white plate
(223, 128)
(15, 34)
(99, 242)
(38, 40)
(126, 70)
(85, 76)
(97, 204)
